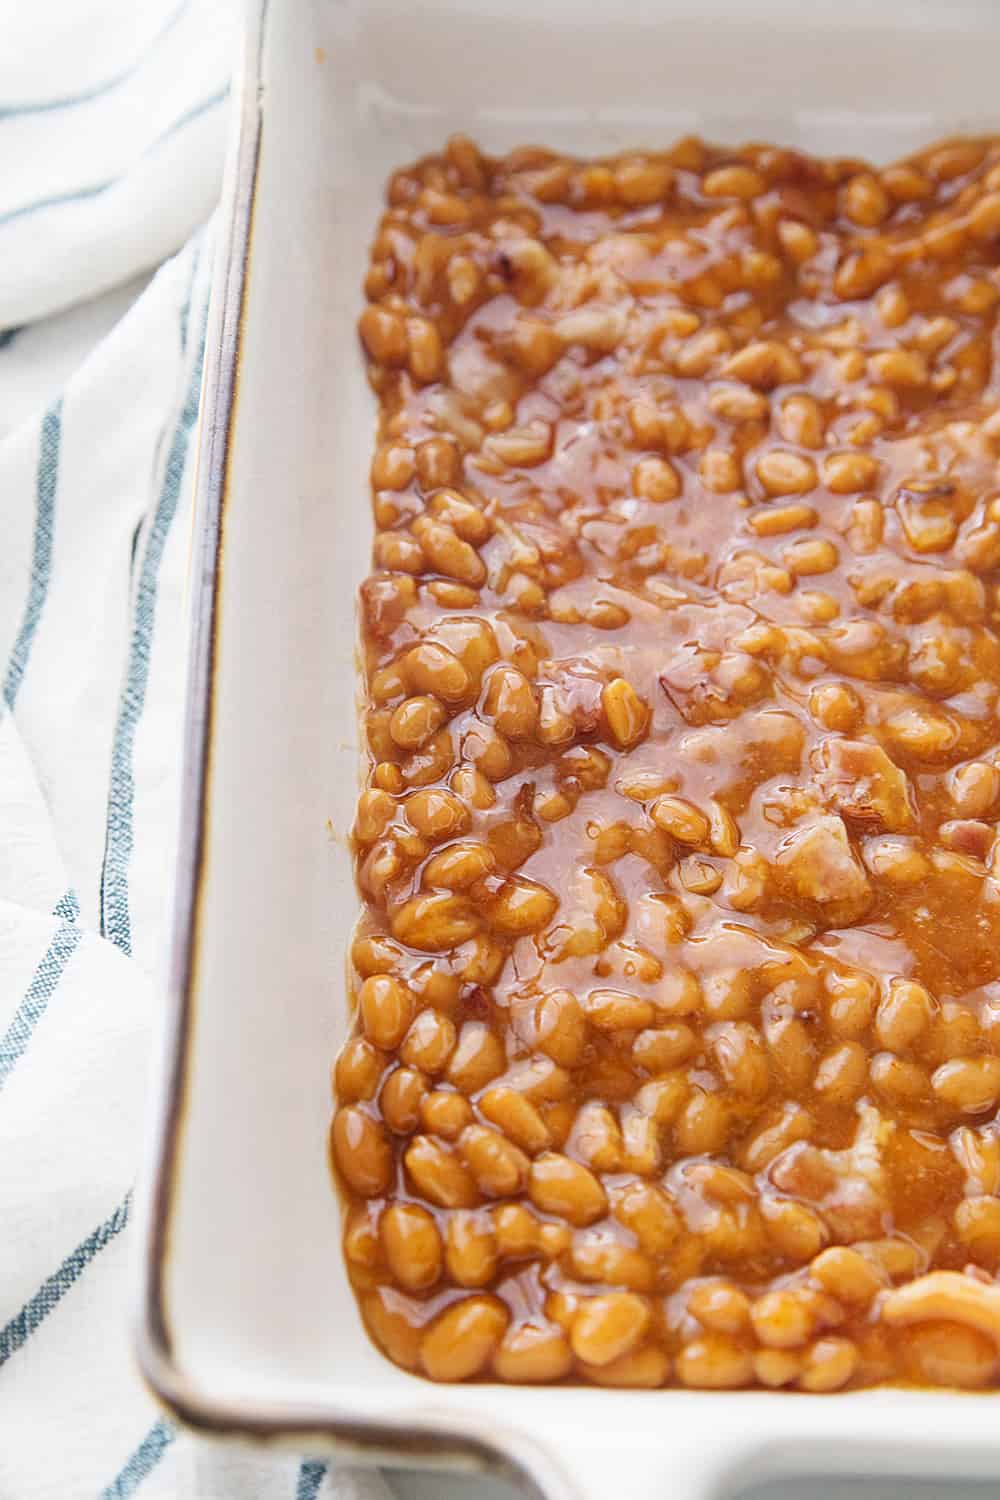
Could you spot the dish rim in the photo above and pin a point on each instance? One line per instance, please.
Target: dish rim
(460, 1441)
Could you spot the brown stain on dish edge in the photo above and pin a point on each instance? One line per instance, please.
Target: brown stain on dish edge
(220, 386)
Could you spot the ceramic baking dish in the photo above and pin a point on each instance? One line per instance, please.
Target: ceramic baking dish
(247, 1322)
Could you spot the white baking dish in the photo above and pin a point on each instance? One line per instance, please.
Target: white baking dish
(248, 1324)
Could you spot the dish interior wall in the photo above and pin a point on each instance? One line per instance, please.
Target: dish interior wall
(256, 1297)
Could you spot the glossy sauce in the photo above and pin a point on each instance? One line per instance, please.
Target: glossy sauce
(676, 1058)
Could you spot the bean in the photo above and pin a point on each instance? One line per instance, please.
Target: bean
(829, 1364)
(445, 1113)
(646, 1210)
(434, 922)
(741, 1058)
(436, 813)
(765, 364)
(847, 1275)
(715, 1362)
(438, 1174)
(865, 200)
(735, 403)
(424, 347)
(608, 1326)
(383, 335)
(596, 1257)
(849, 473)
(533, 1352)
(597, 1137)
(617, 1010)
(659, 1049)
(517, 1231)
(459, 866)
(800, 421)
(777, 1367)
(780, 519)
(785, 473)
(641, 180)
(968, 1084)
(361, 1242)
(898, 1081)
(720, 471)
(519, 906)
(357, 1071)
(974, 789)
(470, 1248)
(644, 1369)
(842, 1073)
(904, 1015)
(510, 703)
(810, 556)
(499, 1168)
(797, 1231)
(479, 1056)
(977, 1223)
(680, 819)
(627, 715)
(412, 1246)
(659, 426)
(560, 1186)
(516, 1118)
(432, 669)
(720, 1307)
(401, 1099)
(464, 1339)
(361, 1151)
(733, 182)
(703, 1124)
(429, 1042)
(862, 272)
(386, 1008)
(375, 812)
(656, 480)
(782, 1320)
(559, 1027)
(393, 466)
(415, 720)
(391, 1328)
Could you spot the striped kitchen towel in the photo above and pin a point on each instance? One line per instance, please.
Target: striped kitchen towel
(112, 129)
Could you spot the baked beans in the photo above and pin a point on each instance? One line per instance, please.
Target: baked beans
(676, 1055)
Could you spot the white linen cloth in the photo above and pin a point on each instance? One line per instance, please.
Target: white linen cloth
(113, 121)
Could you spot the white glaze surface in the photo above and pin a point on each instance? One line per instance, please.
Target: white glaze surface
(257, 1300)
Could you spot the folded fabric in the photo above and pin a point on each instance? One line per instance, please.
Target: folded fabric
(112, 129)
(111, 139)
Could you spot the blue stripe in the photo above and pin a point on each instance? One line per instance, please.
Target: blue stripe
(51, 1292)
(8, 335)
(41, 562)
(10, 111)
(115, 917)
(67, 907)
(310, 1478)
(142, 1462)
(79, 195)
(15, 1039)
